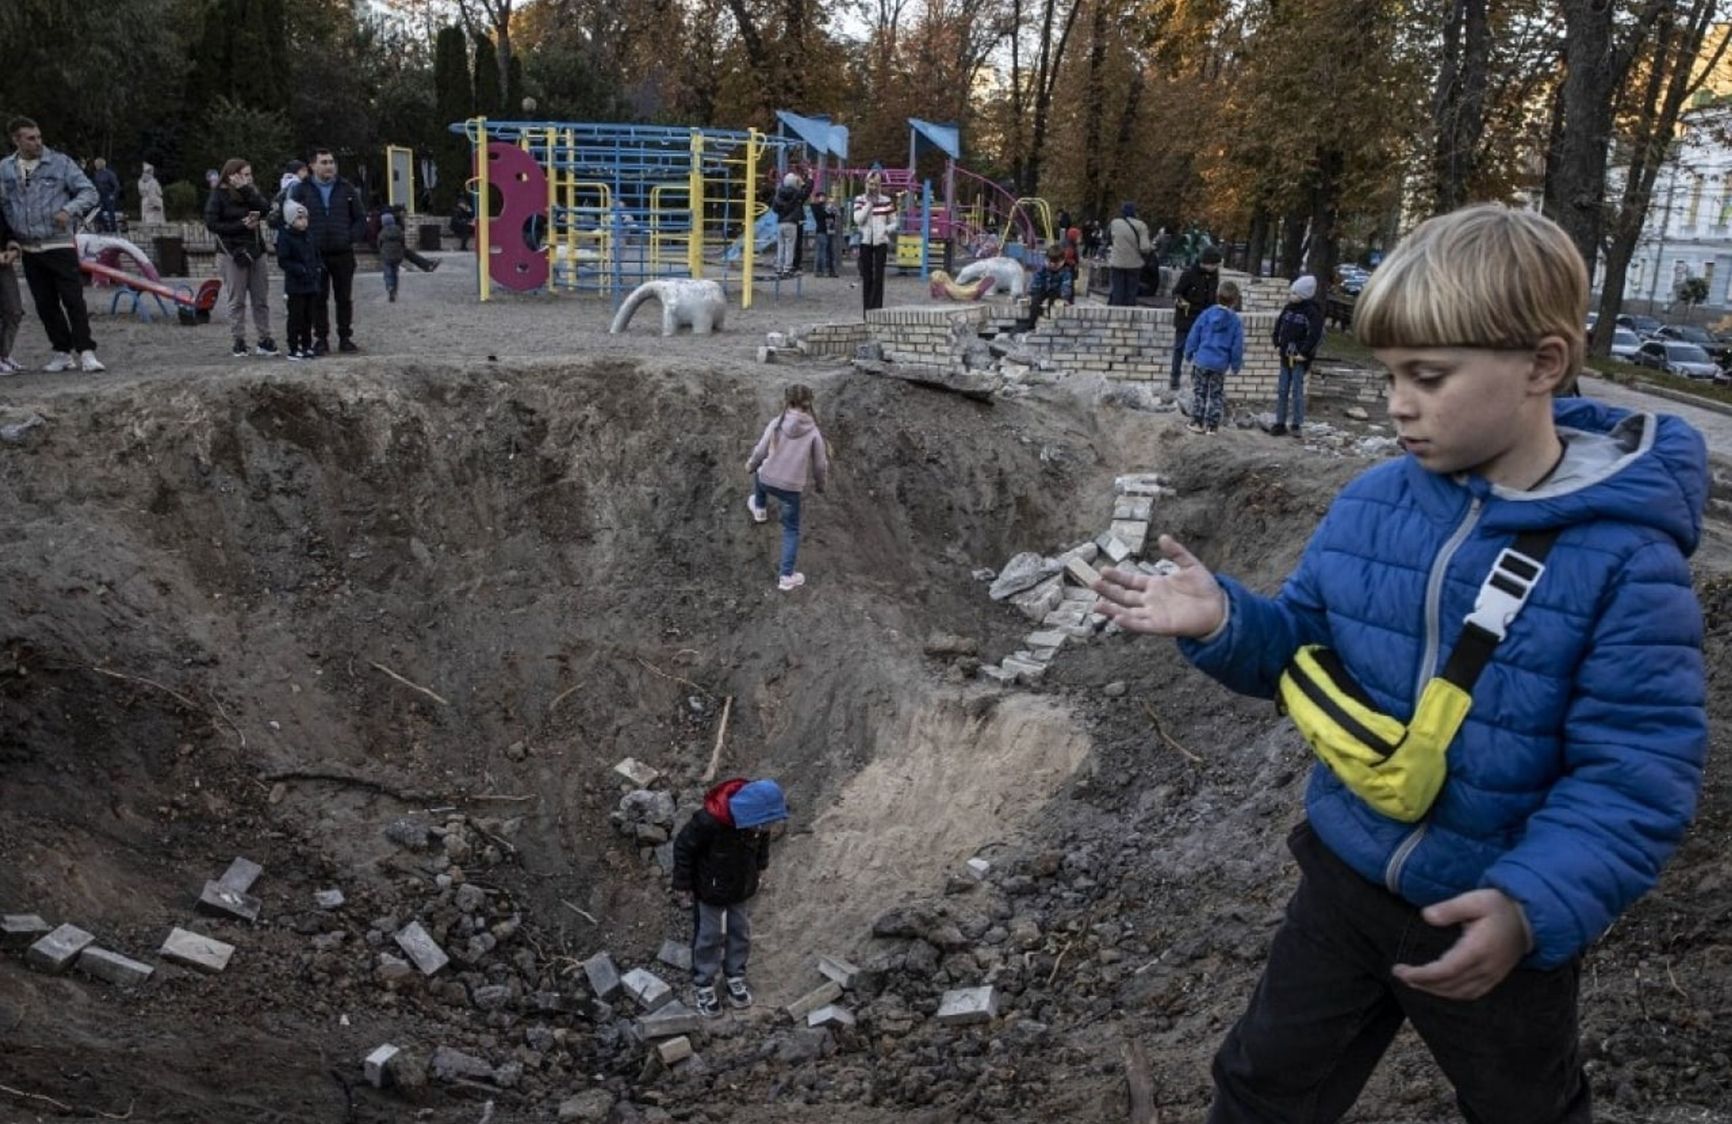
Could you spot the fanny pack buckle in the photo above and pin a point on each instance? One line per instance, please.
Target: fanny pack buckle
(1504, 591)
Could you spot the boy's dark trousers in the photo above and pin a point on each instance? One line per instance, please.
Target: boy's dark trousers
(1327, 1007)
(301, 320)
(57, 288)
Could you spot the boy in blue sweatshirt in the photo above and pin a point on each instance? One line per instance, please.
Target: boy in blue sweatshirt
(1528, 553)
(1214, 346)
(1053, 282)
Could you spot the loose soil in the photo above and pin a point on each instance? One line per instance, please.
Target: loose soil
(216, 577)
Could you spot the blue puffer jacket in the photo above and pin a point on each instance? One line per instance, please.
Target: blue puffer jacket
(1217, 340)
(1577, 770)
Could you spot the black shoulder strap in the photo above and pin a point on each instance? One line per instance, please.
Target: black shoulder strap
(1501, 597)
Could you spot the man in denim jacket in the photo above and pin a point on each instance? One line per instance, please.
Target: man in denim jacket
(45, 194)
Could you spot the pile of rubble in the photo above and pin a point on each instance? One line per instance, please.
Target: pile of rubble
(1057, 592)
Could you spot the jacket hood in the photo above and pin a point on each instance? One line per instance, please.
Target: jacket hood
(757, 804)
(797, 423)
(1645, 469)
(716, 800)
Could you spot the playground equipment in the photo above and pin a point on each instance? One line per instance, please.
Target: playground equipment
(192, 307)
(603, 208)
(109, 249)
(400, 177)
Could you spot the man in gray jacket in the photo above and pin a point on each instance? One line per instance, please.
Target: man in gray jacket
(45, 194)
(1130, 246)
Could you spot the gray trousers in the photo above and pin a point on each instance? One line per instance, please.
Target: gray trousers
(11, 310)
(715, 927)
(242, 282)
(785, 246)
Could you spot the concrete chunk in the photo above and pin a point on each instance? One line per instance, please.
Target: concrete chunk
(1114, 549)
(1047, 638)
(420, 947)
(830, 1016)
(1133, 534)
(192, 950)
(979, 867)
(240, 875)
(376, 1066)
(329, 899)
(1139, 484)
(838, 969)
(455, 1065)
(675, 1050)
(647, 988)
(821, 996)
(219, 899)
(967, 1005)
(1025, 671)
(1137, 508)
(18, 929)
(637, 772)
(676, 955)
(55, 952)
(112, 967)
(1082, 573)
(670, 1019)
(603, 976)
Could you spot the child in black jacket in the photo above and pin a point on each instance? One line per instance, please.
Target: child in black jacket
(303, 273)
(1297, 335)
(718, 858)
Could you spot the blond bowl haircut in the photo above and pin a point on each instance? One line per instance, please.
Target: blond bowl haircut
(1484, 276)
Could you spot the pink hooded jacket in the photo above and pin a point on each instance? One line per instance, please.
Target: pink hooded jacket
(782, 460)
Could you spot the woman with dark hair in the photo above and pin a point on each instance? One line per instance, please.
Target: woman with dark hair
(235, 213)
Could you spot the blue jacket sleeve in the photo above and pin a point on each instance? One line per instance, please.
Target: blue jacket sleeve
(84, 199)
(1635, 737)
(1262, 633)
(1237, 360)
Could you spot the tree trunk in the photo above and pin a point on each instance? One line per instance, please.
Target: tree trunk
(1259, 235)
(1576, 164)
(1017, 163)
(1122, 143)
(1094, 193)
(1325, 202)
(1045, 80)
(1293, 242)
(1458, 109)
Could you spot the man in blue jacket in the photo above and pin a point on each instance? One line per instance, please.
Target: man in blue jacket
(45, 194)
(1540, 545)
(337, 221)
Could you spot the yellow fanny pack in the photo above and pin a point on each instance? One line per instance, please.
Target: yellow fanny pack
(1399, 767)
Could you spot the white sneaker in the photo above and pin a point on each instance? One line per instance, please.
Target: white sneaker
(7, 367)
(758, 514)
(89, 363)
(59, 361)
(792, 581)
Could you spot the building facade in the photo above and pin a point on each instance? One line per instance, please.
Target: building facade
(1689, 227)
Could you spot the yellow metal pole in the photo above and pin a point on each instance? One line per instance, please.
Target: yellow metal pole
(551, 168)
(483, 210)
(695, 195)
(751, 217)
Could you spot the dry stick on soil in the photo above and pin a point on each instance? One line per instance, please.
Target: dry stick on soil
(64, 1107)
(559, 698)
(1142, 1084)
(583, 913)
(334, 777)
(177, 696)
(435, 696)
(721, 737)
(705, 691)
(1164, 736)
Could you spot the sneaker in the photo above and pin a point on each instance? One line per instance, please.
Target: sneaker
(739, 995)
(792, 581)
(295, 357)
(758, 514)
(434, 266)
(1295, 432)
(239, 350)
(704, 1001)
(7, 367)
(89, 363)
(391, 295)
(347, 347)
(1195, 427)
(59, 361)
(321, 347)
(1213, 430)
(1278, 430)
(267, 347)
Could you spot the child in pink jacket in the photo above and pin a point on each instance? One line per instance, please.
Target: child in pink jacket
(790, 450)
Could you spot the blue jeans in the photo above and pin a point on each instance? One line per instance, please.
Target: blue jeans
(1209, 396)
(1178, 357)
(1292, 381)
(721, 939)
(790, 502)
(391, 269)
(826, 261)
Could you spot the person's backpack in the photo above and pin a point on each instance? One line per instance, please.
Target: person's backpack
(1292, 329)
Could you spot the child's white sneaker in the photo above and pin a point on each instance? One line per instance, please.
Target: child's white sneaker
(758, 514)
(792, 581)
(739, 995)
(89, 363)
(59, 361)
(704, 1001)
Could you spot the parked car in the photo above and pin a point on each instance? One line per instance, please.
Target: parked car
(1701, 337)
(1643, 326)
(1625, 344)
(1684, 359)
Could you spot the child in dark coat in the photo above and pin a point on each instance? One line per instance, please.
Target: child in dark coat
(1053, 282)
(303, 273)
(1298, 333)
(392, 250)
(719, 857)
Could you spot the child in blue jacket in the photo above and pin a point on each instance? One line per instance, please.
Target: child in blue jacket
(1053, 282)
(1214, 346)
(1543, 541)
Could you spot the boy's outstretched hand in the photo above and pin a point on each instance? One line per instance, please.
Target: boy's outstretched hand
(1494, 938)
(1189, 602)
